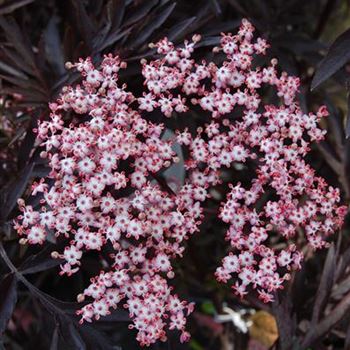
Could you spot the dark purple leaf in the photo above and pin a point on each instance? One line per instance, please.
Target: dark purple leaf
(18, 39)
(325, 286)
(216, 7)
(69, 332)
(337, 56)
(342, 287)
(154, 23)
(83, 336)
(238, 7)
(84, 23)
(10, 6)
(113, 37)
(54, 340)
(18, 60)
(39, 262)
(177, 30)
(53, 49)
(28, 142)
(26, 84)
(12, 71)
(209, 41)
(223, 26)
(140, 12)
(318, 332)
(336, 124)
(15, 191)
(330, 156)
(286, 322)
(347, 128)
(69, 43)
(8, 299)
(115, 12)
(347, 339)
(94, 339)
(298, 44)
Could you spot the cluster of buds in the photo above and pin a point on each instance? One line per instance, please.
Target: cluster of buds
(103, 191)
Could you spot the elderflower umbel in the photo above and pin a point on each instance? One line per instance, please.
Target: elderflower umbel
(275, 138)
(103, 188)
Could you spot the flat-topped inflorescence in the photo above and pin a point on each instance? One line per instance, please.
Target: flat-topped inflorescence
(103, 190)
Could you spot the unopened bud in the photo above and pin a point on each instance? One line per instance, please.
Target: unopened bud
(43, 154)
(80, 298)
(55, 255)
(20, 202)
(170, 274)
(196, 38)
(23, 241)
(68, 65)
(287, 276)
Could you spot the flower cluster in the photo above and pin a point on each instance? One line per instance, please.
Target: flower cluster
(286, 196)
(103, 190)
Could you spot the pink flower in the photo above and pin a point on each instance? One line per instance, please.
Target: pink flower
(106, 190)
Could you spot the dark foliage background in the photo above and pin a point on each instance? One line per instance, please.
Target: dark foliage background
(36, 39)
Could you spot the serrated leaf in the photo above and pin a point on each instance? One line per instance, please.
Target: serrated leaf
(8, 299)
(338, 55)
